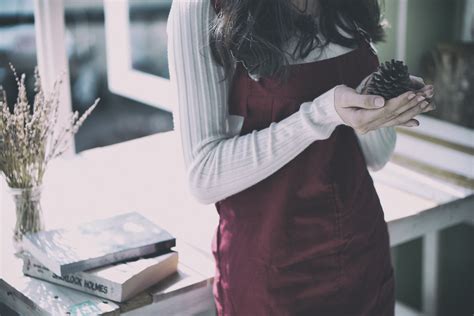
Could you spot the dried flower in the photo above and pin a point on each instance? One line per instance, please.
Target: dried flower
(29, 137)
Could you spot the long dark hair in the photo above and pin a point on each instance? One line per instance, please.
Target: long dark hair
(254, 31)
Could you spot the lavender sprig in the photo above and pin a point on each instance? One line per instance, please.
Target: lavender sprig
(30, 136)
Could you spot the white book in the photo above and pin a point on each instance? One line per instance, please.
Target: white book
(117, 282)
(98, 243)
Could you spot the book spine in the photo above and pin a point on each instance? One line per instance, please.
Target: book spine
(126, 254)
(83, 282)
(37, 253)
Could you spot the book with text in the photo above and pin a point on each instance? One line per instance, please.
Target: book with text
(98, 243)
(116, 282)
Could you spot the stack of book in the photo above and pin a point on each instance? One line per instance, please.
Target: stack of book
(114, 258)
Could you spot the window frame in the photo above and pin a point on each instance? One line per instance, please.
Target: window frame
(122, 79)
(52, 60)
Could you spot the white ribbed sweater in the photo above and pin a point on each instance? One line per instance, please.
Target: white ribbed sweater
(218, 161)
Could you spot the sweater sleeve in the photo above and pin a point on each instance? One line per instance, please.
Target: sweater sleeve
(218, 162)
(378, 146)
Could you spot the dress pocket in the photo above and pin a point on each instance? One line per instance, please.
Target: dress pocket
(314, 221)
(311, 251)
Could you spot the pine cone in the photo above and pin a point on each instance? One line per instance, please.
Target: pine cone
(390, 80)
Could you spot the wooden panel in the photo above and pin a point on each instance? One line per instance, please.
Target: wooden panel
(437, 218)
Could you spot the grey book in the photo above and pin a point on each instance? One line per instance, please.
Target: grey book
(98, 243)
(117, 282)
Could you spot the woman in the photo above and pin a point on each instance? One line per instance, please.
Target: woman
(275, 135)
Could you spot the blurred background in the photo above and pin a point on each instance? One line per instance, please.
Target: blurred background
(434, 37)
(117, 118)
(438, 46)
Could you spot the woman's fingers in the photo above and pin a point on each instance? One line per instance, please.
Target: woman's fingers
(348, 97)
(418, 85)
(424, 106)
(410, 123)
(405, 116)
(393, 107)
(368, 112)
(428, 91)
(404, 106)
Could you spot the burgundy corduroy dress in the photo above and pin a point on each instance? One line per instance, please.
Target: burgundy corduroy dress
(310, 239)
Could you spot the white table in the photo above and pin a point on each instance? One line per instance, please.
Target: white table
(147, 175)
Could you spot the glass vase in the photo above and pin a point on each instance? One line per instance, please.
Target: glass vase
(29, 215)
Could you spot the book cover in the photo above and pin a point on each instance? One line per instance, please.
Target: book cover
(98, 243)
(35, 297)
(117, 282)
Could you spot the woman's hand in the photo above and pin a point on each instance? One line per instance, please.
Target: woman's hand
(369, 112)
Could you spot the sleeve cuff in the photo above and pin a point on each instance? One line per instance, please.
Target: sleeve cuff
(325, 105)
